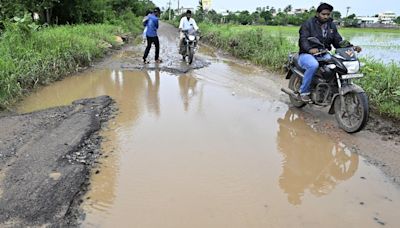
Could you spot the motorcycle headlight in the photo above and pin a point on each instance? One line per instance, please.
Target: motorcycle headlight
(192, 38)
(352, 66)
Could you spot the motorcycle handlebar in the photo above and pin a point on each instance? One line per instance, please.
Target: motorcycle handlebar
(321, 52)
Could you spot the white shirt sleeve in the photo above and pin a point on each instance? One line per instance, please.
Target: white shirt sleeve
(194, 24)
(181, 23)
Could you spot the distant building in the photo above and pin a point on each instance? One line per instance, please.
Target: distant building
(368, 20)
(387, 17)
(299, 11)
(224, 13)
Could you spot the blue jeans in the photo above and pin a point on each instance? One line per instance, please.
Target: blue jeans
(310, 64)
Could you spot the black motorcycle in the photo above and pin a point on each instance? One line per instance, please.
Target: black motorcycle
(332, 86)
(190, 44)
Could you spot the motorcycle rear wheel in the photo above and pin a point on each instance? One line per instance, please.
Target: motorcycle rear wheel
(354, 117)
(294, 84)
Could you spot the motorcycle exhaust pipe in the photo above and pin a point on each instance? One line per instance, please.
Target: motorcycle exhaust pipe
(288, 92)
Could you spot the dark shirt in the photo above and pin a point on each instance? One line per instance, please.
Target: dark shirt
(326, 33)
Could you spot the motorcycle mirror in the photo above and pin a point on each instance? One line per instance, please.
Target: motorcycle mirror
(344, 44)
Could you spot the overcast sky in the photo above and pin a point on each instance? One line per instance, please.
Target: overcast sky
(359, 7)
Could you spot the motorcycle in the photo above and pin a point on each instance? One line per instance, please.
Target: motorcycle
(332, 85)
(190, 44)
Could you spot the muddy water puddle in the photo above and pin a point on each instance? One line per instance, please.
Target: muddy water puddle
(189, 151)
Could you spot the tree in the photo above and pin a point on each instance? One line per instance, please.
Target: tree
(255, 17)
(267, 16)
(336, 15)
(9, 9)
(213, 16)
(288, 9)
(245, 18)
(281, 19)
(397, 20)
(272, 10)
(232, 18)
(352, 16)
(351, 21)
(168, 14)
(73, 11)
(199, 16)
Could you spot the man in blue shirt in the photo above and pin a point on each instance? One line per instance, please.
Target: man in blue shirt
(151, 34)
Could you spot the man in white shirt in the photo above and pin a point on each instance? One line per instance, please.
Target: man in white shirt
(187, 23)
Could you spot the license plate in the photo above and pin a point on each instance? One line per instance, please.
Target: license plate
(350, 76)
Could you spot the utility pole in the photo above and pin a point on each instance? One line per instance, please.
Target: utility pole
(347, 13)
(169, 9)
(178, 7)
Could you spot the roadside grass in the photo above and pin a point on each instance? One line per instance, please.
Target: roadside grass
(32, 58)
(250, 43)
(270, 45)
(382, 84)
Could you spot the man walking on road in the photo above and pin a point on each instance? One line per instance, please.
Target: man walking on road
(151, 35)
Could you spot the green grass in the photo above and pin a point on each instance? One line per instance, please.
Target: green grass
(31, 59)
(250, 43)
(382, 84)
(270, 45)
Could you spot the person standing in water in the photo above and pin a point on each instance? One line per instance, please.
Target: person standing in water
(151, 35)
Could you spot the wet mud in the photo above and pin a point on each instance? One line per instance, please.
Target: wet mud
(45, 162)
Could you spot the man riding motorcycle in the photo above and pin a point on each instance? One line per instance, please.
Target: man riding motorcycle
(187, 23)
(322, 27)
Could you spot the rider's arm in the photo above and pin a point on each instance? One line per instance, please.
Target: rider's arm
(304, 35)
(195, 25)
(145, 21)
(181, 25)
(337, 38)
(156, 23)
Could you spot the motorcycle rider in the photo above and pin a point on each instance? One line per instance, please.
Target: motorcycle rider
(186, 24)
(322, 27)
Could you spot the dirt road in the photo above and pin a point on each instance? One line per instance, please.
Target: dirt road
(215, 144)
(45, 159)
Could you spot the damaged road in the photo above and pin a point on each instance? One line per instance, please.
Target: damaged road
(166, 150)
(45, 161)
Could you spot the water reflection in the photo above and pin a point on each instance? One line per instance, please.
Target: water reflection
(311, 160)
(188, 89)
(153, 90)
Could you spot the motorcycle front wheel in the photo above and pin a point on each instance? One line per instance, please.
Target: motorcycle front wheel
(354, 115)
(191, 55)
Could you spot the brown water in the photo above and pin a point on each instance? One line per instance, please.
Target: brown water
(218, 148)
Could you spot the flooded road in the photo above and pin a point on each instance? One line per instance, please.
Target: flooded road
(217, 147)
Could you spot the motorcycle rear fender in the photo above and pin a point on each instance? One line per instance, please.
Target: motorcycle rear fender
(346, 89)
(294, 70)
(289, 73)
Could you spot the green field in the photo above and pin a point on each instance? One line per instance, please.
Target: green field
(270, 45)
